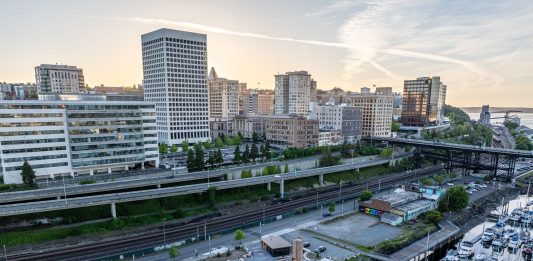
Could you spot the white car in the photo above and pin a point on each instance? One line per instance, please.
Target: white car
(449, 184)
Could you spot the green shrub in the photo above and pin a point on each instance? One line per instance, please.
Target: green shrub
(86, 182)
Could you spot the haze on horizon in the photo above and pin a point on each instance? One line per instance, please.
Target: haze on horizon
(483, 50)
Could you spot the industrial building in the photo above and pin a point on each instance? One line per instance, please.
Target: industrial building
(276, 246)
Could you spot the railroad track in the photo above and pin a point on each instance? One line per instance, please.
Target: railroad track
(110, 248)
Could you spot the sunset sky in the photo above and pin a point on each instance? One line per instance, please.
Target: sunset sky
(483, 50)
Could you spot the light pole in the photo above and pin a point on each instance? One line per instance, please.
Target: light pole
(379, 185)
(5, 252)
(208, 178)
(317, 200)
(164, 233)
(340, 191)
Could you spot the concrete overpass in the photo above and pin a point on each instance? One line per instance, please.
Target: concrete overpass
(113, 198)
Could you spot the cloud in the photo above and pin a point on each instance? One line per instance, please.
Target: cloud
(336, 7)
(363, 35)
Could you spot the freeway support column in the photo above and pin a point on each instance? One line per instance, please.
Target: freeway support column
(282, 188)
(269, 186)
(113, 210)
(321, 179)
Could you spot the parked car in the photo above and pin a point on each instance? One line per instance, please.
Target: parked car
(320, 249)
(449, 184)
(326, 214)
(307, 244)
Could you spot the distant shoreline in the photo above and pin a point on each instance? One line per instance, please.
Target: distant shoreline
(492, 109)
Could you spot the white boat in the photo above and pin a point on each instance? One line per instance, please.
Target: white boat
(516, 215)
(515, 242)
(530, 203)
(499, 241)
(527, 217)
(488, 235)
(466, 249)
(524, 235)
(450, 256)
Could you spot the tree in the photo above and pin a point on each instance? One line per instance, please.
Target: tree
(255, 137)
(345, 149)
(365, 195)
(246, 154)
(239, 235)
(386, 153)
(254, 152)
(331, 207)
(262, 151)
(237, 154)
(28, 175)
(185, 145)
(207, 145)
(199, 157)
(173, 252)
(395, 127)
(439, 179)
(219, 159)
(219, 143)
(211, 159)
(191, 164)
(426, 181)
(237, 140)
(286, 170)
(432, 217)
(523, 143)
(455, 199)
(266, 151)
(174, 148)
(246, 174)
(328, 160)
(163, 148)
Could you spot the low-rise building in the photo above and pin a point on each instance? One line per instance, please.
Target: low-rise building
(343, 118)
(331, 137)
(76, 134)
(276, 246)
(291, 131)
(377, 111)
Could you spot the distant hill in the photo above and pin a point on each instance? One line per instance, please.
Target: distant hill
(478, 109)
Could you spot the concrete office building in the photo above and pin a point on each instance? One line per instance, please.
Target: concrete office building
(175, 80)
(423, 102)
(293, 93)
(343, 118)
(377, 111)
(223, 96)
(260, 102)
(76, 134)
(53, 78)
(290, 131)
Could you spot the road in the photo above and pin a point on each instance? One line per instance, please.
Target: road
(159, 179)
(86, 201)
(149, 240)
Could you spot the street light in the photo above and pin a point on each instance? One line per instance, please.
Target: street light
(64, 190)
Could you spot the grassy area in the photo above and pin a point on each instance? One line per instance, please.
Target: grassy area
(42, 235)
(295, 184)
(410, 234)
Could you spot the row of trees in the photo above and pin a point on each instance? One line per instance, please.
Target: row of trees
(251, 154)
(219, 142)
(196, 161)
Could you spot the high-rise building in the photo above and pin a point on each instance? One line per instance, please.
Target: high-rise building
(293, 93)
(223, 96)
(346, 119)
(484, 116)
(423, 102)
(76, 135)
(259, 102)
(175, 79)
(377, 111)
(53, 78)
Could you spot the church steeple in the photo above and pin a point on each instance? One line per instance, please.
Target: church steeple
(212, 74)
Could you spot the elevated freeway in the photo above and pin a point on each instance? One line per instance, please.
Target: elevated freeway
(112, 198)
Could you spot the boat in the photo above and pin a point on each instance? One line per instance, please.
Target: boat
(450, 256)
(525, 235)
(488, 235)
(466, 249)
(530, 203)
(515, 241)
(499, 241)
(527, 251)
(516, 215)
(527, 217)
(509, 232)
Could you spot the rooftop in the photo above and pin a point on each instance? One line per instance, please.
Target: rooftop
(414, 205)
(275, 242)
(399, 197)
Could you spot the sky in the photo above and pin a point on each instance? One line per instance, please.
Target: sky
(482, 50)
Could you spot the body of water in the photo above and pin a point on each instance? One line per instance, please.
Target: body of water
(526, 118)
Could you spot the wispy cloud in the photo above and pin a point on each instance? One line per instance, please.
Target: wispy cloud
(362, 41)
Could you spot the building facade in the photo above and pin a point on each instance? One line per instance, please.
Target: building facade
(423, 102)
(53, 78)
(75, 134)
(175, 80)
(223, 96)
(291, 131)
(293, 93)
(260, 102)
(484, 116)
(376, 112)
(346, 119)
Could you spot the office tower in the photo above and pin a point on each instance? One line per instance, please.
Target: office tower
(342, 118)
(293, 93)
(259, 102)
(377, 111)
(423, 102)
(175, 79)
(76, 135)
(223, 97)
(53, 78)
